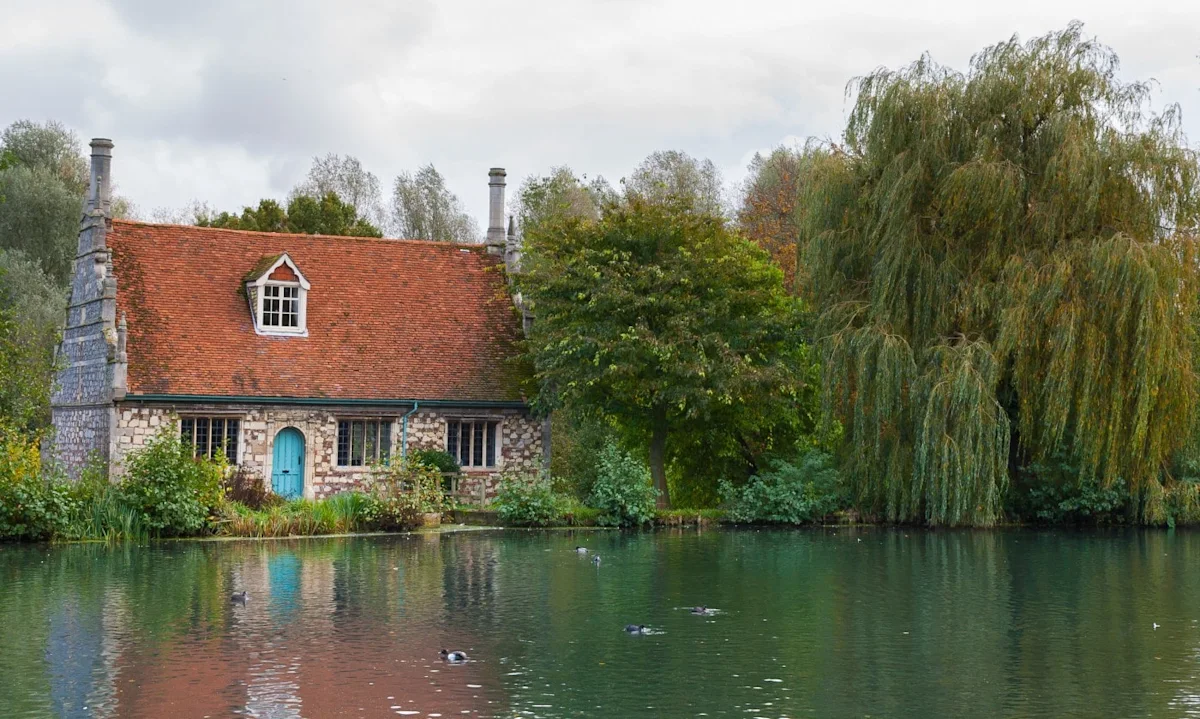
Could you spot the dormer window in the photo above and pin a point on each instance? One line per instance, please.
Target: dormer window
(278, 295)
(281, 306)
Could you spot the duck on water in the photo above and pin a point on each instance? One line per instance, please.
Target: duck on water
(452, 657)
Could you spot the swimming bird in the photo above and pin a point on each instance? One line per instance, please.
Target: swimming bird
(700, 610)
(635, 628)
(239, 597)
(596, 560)
(581, 550)
(453, 657)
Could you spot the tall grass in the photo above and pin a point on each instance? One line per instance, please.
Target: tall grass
(339, 514)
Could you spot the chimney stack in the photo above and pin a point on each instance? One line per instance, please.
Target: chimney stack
(100, 188)
(495, 231)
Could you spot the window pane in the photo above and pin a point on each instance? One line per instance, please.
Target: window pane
(464, 444)
(187, 431)
(372, 446)
(452, 439)
(491, 444)
(218, 434)
(385, 441)
(343, 444)
(356, 444)
(231, 440)
(477, 432)
(201, 436)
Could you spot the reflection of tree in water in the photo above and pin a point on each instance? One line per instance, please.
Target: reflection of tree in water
(469, 573)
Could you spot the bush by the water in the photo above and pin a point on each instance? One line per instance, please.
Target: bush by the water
(622, 491)
(401, 493)
(787, 493)
(174, 492)
(529, 500)
(32, 506)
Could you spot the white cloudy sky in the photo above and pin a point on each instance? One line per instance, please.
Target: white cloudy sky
(228, 100)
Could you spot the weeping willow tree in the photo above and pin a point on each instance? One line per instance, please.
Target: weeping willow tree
(1004, 264)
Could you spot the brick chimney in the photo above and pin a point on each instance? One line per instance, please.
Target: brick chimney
(495, 231)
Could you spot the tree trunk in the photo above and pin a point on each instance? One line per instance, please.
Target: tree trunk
(658, 458)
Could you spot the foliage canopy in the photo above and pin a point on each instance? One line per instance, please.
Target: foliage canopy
(1004, 263)
(324, 215)
(660, 317)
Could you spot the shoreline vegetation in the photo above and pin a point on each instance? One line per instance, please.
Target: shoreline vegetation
(978, 307)
(167, 492)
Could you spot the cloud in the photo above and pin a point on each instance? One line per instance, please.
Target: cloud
(228, 101)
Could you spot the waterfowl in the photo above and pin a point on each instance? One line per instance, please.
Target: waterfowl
(700, 610)
(453, 657)
(238, 597)
(581, 550)
(596, 560)
(635, 628)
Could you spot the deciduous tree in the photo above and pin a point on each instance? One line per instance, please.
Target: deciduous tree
(349, 180)
(768, 215)
(675, 176)
(659, 316)
(327, 215)
(1005, 265)
(423, 208)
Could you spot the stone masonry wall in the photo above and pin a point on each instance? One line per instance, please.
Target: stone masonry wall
(92, 351)
(520, 439)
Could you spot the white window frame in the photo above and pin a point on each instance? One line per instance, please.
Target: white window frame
(497, 458)
(367, 462)
(239, 436)
(256, 292)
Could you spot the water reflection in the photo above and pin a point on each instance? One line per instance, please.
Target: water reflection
(831, 623)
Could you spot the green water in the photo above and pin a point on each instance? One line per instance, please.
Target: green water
(880, 623)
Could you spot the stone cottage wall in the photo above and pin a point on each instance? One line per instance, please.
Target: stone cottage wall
(520, 435)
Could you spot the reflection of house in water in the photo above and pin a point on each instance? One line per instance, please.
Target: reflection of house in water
(325, 633)
(469, 573)
(74, 654)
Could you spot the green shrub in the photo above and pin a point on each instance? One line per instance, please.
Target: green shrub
(528, 500)
(1053, 492)
(622, 490)
(1084, 502)
(787, 493)
(442, 461)
(173, 492)
(400, 494)
(31, 505)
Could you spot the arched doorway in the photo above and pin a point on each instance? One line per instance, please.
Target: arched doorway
(287, 468)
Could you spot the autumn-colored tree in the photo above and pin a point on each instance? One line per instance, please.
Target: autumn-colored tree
(768, 215)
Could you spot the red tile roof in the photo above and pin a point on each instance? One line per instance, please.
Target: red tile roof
(387, 319)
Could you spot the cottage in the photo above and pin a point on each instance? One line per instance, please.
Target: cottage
(305, 359)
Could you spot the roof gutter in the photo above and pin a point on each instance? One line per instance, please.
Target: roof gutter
(322, 401)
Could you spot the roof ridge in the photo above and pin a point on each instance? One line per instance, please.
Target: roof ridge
(301, 235)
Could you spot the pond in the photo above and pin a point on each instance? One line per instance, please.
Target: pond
(828, 623)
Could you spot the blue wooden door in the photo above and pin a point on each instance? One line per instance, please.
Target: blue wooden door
(287, 473)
